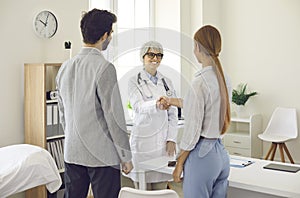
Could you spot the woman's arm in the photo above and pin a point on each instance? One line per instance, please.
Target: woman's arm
(179, 165)
(178, 102)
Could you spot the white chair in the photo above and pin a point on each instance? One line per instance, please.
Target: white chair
(127, 192)
(282, 127)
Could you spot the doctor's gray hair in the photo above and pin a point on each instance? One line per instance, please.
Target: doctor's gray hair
(150, 45)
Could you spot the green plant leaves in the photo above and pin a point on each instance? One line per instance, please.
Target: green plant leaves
(239, 95)
(129, 105)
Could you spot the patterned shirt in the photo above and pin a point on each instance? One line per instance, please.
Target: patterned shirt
(202, 109)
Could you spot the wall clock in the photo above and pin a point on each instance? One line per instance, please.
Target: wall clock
(45, 24)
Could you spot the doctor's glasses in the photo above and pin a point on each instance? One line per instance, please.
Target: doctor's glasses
(152, 55)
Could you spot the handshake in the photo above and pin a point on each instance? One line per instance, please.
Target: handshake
(164, 103)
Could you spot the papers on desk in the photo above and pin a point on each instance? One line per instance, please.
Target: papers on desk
(240, 163)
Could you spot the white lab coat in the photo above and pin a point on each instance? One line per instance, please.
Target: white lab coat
(152, 127)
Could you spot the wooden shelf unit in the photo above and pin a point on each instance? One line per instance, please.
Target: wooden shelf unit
(39, 78)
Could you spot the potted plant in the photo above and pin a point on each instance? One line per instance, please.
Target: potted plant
(130, 110)
(240, 96)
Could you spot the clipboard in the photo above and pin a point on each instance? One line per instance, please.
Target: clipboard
(240, 163)
(281, 167)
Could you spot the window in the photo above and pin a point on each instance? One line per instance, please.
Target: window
(130, 31)
(135, 26)
(133, 22)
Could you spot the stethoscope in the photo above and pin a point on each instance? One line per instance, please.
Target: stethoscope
(150, 95)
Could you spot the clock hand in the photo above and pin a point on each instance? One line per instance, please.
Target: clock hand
(45, 24)
(47, 20)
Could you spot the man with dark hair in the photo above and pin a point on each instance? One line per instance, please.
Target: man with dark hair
(91, 112)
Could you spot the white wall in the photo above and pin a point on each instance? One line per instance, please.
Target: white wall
(261, 47)
(167, 24)
(191, 19)
(20, 45)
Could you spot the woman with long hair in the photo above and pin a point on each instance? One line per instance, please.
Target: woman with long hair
(203, 160)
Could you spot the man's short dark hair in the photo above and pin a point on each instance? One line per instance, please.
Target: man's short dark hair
(95, 23)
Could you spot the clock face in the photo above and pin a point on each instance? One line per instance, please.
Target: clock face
(45, 24)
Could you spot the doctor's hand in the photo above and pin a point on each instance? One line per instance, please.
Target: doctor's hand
(171, 148)
(162, 104)
(127, 167)
(177, 102)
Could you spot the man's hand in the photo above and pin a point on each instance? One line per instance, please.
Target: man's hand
(127, 167)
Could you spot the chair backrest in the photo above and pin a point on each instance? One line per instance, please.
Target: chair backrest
(283, 123)
(127, 192)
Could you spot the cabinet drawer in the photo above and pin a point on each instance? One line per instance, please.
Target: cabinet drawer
(238, 151)
(237, 141)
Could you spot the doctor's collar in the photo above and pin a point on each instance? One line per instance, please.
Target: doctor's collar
(149, 75)
(158, 74)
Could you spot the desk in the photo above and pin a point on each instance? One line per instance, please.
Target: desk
(129, 124)
(251, 178)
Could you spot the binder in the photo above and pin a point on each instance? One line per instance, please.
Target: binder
(55, 114)
(49, 114)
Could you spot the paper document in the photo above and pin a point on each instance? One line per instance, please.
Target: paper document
(240, 163)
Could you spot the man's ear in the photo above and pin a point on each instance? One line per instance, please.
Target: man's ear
(104, 37)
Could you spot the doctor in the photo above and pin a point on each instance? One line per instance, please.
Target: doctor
(155, 125)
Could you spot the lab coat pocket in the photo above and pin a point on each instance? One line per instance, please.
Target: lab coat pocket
(205, 147)
(143, 120)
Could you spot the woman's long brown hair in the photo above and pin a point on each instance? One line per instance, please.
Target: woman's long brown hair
(209, 40)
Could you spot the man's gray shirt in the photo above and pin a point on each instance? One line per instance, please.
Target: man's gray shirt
(91, 111)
